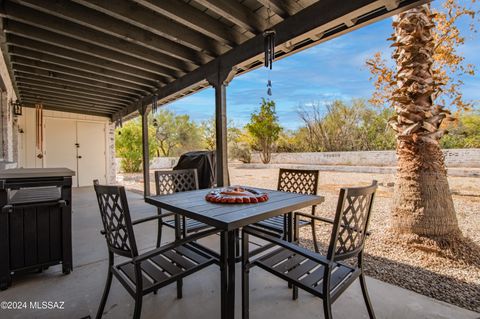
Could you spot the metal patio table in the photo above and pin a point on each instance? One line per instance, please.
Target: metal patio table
(229, 218)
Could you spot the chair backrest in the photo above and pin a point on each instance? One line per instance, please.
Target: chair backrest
(117, 224)
(351, 222)
(182, 180)
(300, 181)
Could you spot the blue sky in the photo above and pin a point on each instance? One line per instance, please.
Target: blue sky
(331, 70)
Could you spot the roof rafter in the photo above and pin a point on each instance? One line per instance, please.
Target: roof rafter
(283, 8)
(77, 96)
(101, 22)
(236, 13)
(58, 86)
(144, 18)
(41, 57)
(73, 79)
(28, 16)
(195, 19)
(68, 100)
(52, 38)
(16, 42)
(78, 73)
(55, 107)
(58, 101)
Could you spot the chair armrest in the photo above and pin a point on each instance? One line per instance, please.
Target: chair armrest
(146, 219)
(174, 244)
(326, 220)
(142, 220)
(285, 244)
(319, 218)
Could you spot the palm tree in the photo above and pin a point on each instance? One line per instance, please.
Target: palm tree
(422, 202)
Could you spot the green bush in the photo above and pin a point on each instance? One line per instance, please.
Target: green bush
(128, 145)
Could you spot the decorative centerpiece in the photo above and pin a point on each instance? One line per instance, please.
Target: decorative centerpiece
(236, 195)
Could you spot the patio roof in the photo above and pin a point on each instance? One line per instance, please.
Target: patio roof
(111, 58)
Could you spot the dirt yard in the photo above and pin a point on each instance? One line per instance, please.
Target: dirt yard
(453, 277)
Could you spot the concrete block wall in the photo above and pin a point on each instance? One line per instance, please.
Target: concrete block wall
(155, 163)
(453, 158)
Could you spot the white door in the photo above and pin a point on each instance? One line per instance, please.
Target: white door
(91, 153)
(60, 149)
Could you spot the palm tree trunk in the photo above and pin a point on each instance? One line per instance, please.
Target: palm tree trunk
(423, 203)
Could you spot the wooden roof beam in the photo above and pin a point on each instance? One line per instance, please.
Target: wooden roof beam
(74, 101)
(78, 73)
(195, 19)
(40, 20)
(54, 70)
(147, 19)
(283, 8)
(34, 33)
(63, 108)
(24, 70)
(101, 22)
(41, 57)
(77, 96)
(58, 86)
(18, 42)
(236, 13)
(86, 106)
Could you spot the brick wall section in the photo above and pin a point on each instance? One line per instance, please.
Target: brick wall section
(469, 158)
(111, 160)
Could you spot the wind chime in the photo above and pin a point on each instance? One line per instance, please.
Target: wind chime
(39, 127)
(269, 49)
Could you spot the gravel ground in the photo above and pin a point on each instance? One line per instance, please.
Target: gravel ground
(451, 276)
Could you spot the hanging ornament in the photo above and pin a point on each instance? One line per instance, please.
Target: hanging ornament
(118, 122)
(269, 47)
(154, 103)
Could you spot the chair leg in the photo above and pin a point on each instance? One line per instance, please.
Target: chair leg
(363, 284)
(314, 237)
(295, 293)
(138, 307)
(180, 288)
(245, 278)
(159, 232)
(327, 308)
(237, 243)
(101, 307)
(327, 304)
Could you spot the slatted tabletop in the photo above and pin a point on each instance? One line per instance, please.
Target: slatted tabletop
(232, 216)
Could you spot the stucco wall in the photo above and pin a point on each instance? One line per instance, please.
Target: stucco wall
(453, 158)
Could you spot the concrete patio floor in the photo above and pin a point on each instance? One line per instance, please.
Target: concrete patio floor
(81, 290)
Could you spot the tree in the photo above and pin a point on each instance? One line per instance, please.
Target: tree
(208, 134)
(128, 145)
(175, 134)
(427, 70)
(265, 129)
(464, 132)
(346, 127)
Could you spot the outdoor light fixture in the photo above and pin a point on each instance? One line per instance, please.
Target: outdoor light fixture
(16, 107)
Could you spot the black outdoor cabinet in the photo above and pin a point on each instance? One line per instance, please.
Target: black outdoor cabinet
(35, 221)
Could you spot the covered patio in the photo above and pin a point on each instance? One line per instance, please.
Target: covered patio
(122, 59)
(81, 290)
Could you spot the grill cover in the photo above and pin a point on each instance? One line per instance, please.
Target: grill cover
(204, 162)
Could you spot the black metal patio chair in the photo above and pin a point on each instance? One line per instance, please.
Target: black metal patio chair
(142, 273)
(169, 182)
(327, 276)
(295, 181)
